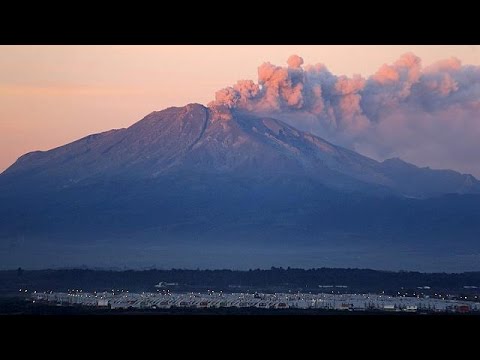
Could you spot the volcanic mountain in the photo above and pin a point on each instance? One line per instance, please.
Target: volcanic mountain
(196, 186)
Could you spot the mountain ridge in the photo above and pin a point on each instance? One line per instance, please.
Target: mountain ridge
(212, 187)
(198, 138)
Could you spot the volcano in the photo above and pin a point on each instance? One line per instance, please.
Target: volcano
(213, 187)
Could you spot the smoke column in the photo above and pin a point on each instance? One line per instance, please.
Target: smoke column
(425, 115)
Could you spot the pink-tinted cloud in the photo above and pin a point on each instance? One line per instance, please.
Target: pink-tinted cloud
(427, 115)
(295, 61)
(386, 74)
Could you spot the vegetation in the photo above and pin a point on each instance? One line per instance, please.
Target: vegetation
(274, 279)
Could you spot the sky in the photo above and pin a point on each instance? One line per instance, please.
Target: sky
(52, 95)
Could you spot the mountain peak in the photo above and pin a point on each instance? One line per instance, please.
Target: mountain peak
(212, 175)
(218, 140)
(194, 106)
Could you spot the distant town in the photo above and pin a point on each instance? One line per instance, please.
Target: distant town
(123, 299)
(275, 291)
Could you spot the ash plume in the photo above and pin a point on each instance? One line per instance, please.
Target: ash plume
(428, 115)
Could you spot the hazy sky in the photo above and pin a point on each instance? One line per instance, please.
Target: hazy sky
(52, 95)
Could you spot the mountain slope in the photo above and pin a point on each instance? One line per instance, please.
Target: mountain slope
(206, 186)
(197, 139)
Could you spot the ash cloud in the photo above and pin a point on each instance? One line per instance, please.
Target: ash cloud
(428, 115)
